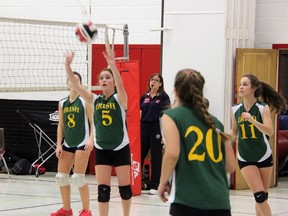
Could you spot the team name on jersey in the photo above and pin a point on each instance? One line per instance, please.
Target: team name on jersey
(105, 106)
(71, 109)
(240, 119)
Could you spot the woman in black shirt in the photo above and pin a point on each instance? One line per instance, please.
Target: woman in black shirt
(152, 103)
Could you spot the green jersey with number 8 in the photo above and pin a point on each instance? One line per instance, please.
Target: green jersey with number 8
(76, 125)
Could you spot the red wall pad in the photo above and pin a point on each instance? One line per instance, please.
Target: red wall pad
(130, 74)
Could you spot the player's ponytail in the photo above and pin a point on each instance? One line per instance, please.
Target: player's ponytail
(223, 135)
(268, 94)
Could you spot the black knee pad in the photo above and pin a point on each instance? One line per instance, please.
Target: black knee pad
(125, 192)
(104, 193)
(260, 196)
(266, 195)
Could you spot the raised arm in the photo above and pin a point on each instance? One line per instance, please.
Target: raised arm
(88, 96)
(122, 96)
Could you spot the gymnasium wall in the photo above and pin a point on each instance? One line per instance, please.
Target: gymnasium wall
(271, 23)
(202, 27)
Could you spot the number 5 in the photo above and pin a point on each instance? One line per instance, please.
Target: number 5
(106, 118)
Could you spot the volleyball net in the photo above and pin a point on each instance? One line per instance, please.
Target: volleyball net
(32, 53)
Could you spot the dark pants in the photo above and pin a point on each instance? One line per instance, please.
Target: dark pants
(177, 209)
(151, 139)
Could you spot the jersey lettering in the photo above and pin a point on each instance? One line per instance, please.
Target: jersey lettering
(241, 119)
(71, 109)
(209, 145)
(105, 106)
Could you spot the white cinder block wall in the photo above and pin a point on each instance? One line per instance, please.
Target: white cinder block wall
(196, 40)
(271, 23)
(141, 17)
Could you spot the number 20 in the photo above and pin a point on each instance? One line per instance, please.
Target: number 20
(209, 145)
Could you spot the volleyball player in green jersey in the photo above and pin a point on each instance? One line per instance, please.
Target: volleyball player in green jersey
(112, 142)
(252, 124)
(198, 154)
(77, 136)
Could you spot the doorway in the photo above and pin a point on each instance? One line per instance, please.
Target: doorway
(282, 132)
(283, 72)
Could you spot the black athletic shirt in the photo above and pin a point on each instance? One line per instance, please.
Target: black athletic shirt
(152, 107)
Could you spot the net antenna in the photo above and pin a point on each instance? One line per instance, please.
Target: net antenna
(32, 53)
(84, 10)
(109, 47)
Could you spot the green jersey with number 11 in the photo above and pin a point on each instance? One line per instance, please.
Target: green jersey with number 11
(253, 145)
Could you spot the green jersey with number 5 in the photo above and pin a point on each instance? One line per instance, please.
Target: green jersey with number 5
(110, 123)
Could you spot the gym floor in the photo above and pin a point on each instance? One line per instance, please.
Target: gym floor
(39, 196)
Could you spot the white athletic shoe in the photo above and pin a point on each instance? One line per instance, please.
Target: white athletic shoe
(153, 192)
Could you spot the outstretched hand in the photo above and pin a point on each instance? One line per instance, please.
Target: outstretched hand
(110, 58)
(69, 57)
